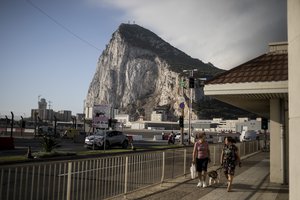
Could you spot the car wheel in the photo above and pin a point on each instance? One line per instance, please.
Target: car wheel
(125, 144)
(107, 145)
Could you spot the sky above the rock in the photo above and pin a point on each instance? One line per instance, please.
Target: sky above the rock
(50, 49)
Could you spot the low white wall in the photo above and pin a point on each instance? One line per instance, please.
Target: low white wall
(137, 137)
(157, 137)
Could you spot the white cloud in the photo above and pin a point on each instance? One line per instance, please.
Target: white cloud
(226, 33)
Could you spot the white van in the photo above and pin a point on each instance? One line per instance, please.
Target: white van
(249, 135)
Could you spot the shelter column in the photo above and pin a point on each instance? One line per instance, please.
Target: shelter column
(294, 96)
(276, 168)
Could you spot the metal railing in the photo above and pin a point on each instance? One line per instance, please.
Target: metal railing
(100, 178)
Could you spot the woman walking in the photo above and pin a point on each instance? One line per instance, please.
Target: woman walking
(229, 158)
(201, 157)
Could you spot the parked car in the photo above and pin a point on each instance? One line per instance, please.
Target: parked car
(185, 137)
(248, 135)
(107, 138)
(210, 138)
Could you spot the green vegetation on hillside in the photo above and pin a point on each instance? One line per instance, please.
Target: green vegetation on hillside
(211, 108)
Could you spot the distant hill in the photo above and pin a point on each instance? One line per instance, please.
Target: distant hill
(139, 72)
(143, 38)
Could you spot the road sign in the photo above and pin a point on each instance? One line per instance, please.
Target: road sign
(181, 99)
(101, 114)
(181, 105)
(182, 83)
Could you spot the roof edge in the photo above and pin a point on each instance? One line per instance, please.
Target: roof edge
(246, 88)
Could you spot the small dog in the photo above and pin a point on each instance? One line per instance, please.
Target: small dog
(214, 176)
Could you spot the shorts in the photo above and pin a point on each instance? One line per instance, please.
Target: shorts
(201, 164)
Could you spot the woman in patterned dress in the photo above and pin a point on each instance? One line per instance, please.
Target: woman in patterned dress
(229, 158)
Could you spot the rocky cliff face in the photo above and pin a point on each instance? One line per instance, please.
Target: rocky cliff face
(138, 72)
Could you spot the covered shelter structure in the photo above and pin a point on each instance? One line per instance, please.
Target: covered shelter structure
(284, 129)
(261, 87)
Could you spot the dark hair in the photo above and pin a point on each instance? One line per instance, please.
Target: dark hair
(200, 135)
(230, 139)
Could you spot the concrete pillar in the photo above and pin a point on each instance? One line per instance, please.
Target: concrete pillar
(286, 142)
(276, 168)
(294, 96)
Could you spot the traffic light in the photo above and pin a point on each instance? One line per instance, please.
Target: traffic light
(191, 82)
(23, 124)
(264, 123)
(109, 122)
(181, 122)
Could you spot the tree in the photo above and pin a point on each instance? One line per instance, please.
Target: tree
(49, 143)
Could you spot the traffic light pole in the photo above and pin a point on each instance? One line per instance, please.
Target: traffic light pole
(191, 103)
(181, 118)
(190, 114)
(190, 110)
(182, 127)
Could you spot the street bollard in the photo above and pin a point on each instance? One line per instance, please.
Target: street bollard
(29, 155)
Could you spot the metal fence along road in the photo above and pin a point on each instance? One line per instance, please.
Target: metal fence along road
(104, 177)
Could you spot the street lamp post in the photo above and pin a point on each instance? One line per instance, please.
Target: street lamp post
(191, 86)
(22, 120)
(12, 124)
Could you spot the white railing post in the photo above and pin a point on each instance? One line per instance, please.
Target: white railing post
(163, 167)
(215, 152)
(126, 175)
(184, 162)
(249, 148)
(69, 181)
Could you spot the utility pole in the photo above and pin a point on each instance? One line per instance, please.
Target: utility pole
(55, 124)
(35, 122)
(74, 121)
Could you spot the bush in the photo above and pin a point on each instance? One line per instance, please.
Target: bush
(49, 143)
(53, 154)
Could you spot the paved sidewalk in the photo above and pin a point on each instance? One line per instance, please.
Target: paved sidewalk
(251, 183)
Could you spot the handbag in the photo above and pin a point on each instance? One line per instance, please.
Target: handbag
(193, 171)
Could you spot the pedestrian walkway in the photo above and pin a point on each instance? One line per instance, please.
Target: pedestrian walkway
(251, 183)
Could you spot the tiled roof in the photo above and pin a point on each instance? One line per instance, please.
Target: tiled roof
(265, 68)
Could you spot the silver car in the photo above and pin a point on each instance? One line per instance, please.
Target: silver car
(107, 138)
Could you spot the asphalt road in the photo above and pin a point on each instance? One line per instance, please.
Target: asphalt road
(22, 143)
